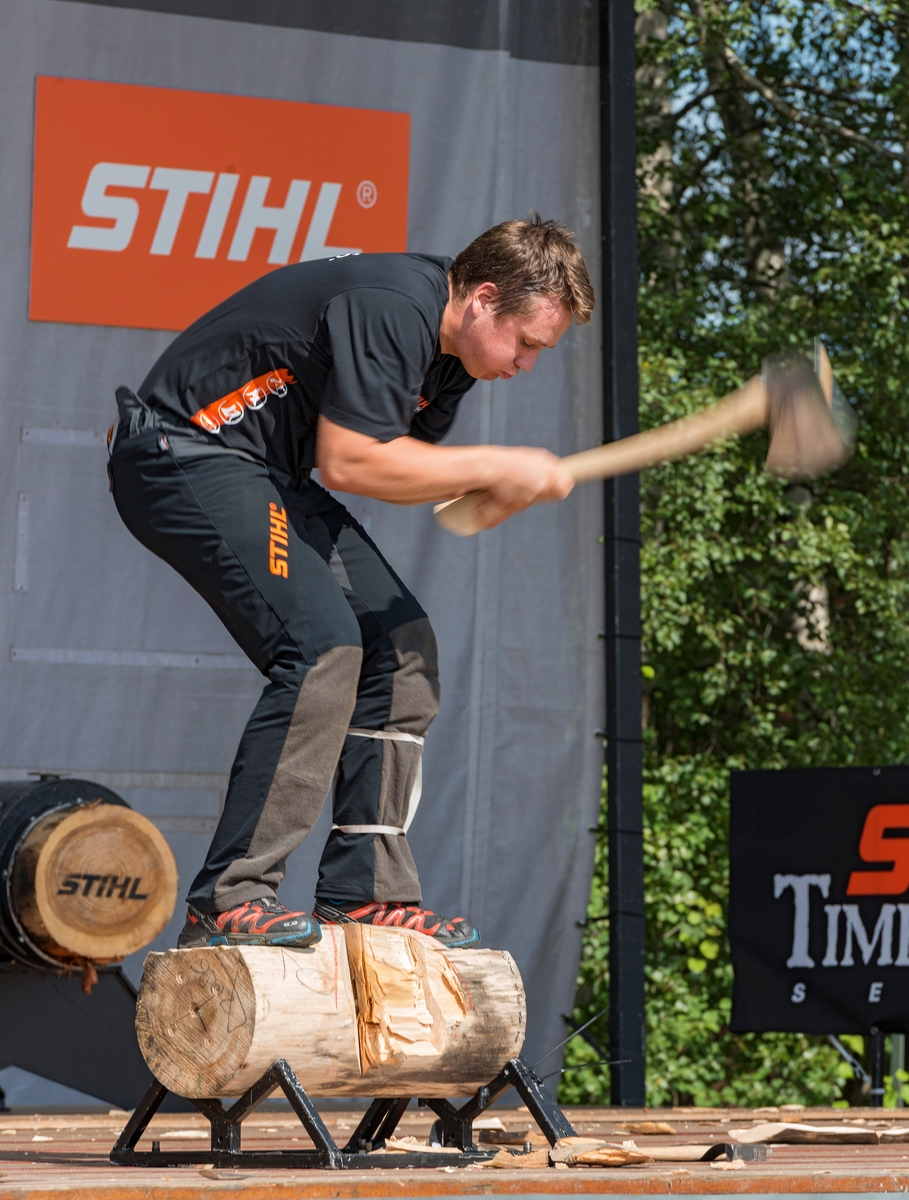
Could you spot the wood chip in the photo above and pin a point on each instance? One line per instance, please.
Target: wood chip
(209, 1172)
(505, 1137)
(412, 1145)
(646, 1127)
(683, 1153)
(609, 1156)
(536, 1160)
(737, 1164)
(781, 1132)
(896, 1133)
(580, 1151)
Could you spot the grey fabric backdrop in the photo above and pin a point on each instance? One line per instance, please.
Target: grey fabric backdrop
(118, 672)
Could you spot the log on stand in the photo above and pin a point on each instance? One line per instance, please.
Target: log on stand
(366, 1012)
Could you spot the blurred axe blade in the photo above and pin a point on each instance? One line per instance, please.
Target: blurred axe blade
(812, 425)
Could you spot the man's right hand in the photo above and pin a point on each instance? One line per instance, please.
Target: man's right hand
(407, 471)
(524, 475)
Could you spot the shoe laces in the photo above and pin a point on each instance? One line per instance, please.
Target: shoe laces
(271, 905)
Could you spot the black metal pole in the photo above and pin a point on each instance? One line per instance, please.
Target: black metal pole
(876, 1095)
(622, 544)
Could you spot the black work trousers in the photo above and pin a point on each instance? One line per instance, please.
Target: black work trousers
(348, 652)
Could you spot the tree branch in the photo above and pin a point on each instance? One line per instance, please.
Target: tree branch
(693, 103)
(867, 11)
(798, 115)
(827, 93)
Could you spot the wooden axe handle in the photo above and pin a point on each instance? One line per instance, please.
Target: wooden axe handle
(741, 412)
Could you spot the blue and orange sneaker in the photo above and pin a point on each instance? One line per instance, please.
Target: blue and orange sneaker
(263, 922)
(455, 933)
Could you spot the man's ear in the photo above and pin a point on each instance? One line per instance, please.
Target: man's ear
(483, 298)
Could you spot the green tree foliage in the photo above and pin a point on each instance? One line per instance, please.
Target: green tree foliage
(773, 174)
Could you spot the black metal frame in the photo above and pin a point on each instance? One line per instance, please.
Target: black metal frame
(379, 1123)
(622, 629)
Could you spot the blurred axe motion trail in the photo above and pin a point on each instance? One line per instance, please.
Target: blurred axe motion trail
(811, 424)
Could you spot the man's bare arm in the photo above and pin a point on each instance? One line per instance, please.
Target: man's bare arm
(408, 471)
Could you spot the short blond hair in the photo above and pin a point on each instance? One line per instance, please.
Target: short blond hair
(526, 259)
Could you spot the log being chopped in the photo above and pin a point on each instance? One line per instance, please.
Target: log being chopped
(367, 1011)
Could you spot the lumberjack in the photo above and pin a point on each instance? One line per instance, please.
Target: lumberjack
(355, 365)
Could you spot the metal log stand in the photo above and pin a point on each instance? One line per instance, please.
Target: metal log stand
(379, 1122)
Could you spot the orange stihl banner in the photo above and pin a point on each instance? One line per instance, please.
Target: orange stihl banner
(151, 205)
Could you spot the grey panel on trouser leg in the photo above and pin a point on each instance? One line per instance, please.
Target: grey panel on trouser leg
(414, 704)
(302, 778)
(394, 871)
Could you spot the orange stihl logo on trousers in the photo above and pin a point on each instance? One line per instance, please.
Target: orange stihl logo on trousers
(232, 408)
(277, 542)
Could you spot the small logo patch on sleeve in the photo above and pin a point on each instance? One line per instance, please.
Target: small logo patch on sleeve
(232, 408)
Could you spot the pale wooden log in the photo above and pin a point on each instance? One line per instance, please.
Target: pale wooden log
(94, 881)
(366, 1012)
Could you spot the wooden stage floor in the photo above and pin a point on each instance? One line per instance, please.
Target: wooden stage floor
(44, 1155)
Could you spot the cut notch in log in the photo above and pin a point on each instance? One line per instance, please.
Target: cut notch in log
(93, 881)
(368, 1011)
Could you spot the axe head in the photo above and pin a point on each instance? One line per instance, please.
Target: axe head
(812, 425)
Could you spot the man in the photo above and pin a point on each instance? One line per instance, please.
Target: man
(356, 365)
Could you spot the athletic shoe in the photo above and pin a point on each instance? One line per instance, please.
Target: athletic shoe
(263, 922)
(455, 933)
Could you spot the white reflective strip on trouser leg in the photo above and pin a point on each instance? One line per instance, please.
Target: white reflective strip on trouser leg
(387, 735)
(416, 792)
(393, 830)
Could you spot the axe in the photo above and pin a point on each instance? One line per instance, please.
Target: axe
(812, 431)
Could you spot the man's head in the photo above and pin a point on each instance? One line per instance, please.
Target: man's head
(514, 292)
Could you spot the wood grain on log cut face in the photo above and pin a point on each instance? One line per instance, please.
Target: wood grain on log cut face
(368, 1011)
(196, 1034)
(95, 881)
(212, 1021)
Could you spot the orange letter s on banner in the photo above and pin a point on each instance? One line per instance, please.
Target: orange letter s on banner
(874, 847)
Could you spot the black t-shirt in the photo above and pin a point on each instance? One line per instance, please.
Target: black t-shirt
(355, 337)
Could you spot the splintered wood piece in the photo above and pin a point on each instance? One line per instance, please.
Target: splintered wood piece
(431, 1021)
(536, 1160)
(796, 1135)
(594, 1152)
(408, 996)
(94, 881)
(365, 1012)
(646, 1127)
(685, 1153)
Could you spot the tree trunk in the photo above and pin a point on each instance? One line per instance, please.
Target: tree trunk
(369, 1011)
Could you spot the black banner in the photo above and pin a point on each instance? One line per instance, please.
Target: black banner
(819, 899)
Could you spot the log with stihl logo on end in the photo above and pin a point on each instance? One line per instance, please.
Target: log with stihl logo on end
(151, 205)
(819, 899)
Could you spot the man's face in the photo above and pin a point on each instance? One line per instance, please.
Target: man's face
(494, 347)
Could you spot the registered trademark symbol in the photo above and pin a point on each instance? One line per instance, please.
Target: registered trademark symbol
(367, 194)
